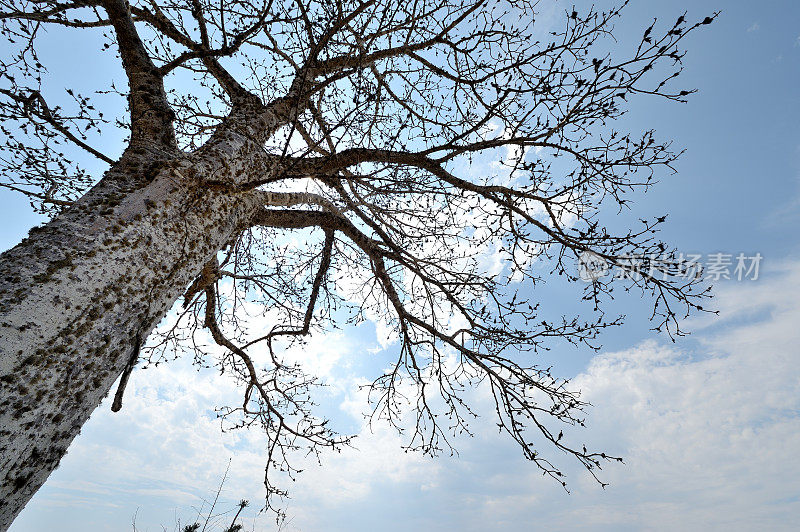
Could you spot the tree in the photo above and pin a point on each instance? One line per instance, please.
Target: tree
(313, 157)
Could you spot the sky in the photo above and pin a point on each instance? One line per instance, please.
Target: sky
(708, 425)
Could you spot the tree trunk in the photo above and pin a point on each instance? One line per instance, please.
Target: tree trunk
(79, 293)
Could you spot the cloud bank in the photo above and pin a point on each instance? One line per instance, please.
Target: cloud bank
(709, 428)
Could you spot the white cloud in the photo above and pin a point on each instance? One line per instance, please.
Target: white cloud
(709, 430)
(709, 434)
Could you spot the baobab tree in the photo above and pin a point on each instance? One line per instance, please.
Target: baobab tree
(319, 160)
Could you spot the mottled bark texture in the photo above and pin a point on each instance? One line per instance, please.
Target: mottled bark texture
(78, 292)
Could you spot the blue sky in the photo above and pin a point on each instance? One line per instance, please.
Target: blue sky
(709, 425)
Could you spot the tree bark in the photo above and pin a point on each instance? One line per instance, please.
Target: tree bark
(78, 292)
